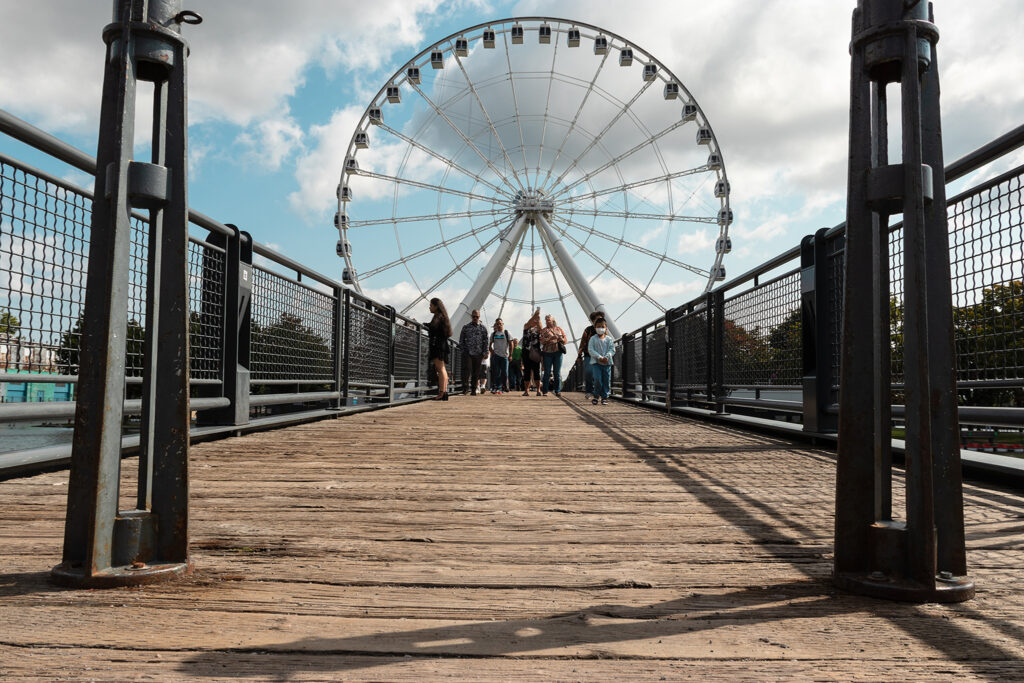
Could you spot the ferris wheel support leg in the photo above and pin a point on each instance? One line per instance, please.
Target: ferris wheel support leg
(483, 285)
(573, 275)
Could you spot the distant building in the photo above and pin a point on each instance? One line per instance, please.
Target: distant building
(18, 356)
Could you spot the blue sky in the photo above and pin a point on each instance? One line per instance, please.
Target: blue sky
(277, 89)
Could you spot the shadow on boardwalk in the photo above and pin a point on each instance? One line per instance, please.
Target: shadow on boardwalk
(671, 629)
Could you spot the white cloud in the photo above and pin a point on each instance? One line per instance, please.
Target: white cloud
(272, 141)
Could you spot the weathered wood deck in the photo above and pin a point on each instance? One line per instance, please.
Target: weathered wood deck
(504, 538)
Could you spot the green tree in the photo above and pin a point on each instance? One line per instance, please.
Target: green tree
(289, 349)
(9, 323)
(68, 355)
(990, 344)
(785, 349)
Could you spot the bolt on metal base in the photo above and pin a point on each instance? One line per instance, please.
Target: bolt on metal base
(116, 577)
(947, 588)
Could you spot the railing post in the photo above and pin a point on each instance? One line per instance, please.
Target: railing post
(338, 337)
(347, 341)
(815, 304)
(392, 334)
(669, 346)
(102, 545)
(643, 365)
(235, 328)
(421, 380)
(719, 354)
(627, 361)
(923, 558)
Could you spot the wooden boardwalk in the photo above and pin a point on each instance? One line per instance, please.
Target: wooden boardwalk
(504, 538)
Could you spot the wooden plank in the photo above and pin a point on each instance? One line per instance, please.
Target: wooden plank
(503, 538)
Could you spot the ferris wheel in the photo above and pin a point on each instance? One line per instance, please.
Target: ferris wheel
(528, 162)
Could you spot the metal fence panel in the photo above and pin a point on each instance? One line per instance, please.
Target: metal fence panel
(291, 330)
(369, 336)
(762, 344)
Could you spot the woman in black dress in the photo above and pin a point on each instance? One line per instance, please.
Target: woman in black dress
(439, 330)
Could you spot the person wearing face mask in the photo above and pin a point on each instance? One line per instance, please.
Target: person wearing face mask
(601, 349)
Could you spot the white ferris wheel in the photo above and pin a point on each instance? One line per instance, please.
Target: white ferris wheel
(528, 162)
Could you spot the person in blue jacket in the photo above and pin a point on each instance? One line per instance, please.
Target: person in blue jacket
(601, 350)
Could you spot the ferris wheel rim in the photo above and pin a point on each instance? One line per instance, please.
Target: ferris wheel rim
(559, 26)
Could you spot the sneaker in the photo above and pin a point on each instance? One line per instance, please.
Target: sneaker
(604, 401)
(594, 401)
(558, 394)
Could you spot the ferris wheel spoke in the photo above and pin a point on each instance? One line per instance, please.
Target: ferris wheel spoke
(572, 125)
(634, 215)
(635, 247)
(428, 186)
(425, 217)
(458, 268)
(515, 108)
(431, 249)
(607, 266)
(547, 111)
(444, 159)
(512, 274)
(487, 117)
(465, 139)
(558, 290)
(625, 155)
(593, 143)
(633, 185)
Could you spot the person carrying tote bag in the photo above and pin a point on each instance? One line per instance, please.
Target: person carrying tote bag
(531, 353)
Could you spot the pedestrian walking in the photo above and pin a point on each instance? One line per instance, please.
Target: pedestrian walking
(515, 366)
(499, 357)
(473, 340)
(531, 354)
(552, 346)
(601, 349)
(583, 358)
(439, 330)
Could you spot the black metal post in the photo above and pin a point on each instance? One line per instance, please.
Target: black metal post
(670, 341)
(346, 340)
(236, 294)
(816, 303)
(627, 361)
(392, 334)
(894, 41)
(716, 355)
(102, 546)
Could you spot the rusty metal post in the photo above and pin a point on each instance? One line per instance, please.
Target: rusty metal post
(921, 558)
(102, 545)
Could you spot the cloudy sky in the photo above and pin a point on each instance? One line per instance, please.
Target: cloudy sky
(277, 88)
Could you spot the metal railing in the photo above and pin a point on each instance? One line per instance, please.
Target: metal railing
(767, 344)
(271, 340)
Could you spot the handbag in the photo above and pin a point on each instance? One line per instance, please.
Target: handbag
(535, 356)
(561, 347)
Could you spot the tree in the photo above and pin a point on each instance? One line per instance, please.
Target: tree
(287, 349)
(990, 344)
(9, 323)
(68, 355)
(785, 349)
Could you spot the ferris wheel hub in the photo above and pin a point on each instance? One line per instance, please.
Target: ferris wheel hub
(532, 202)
